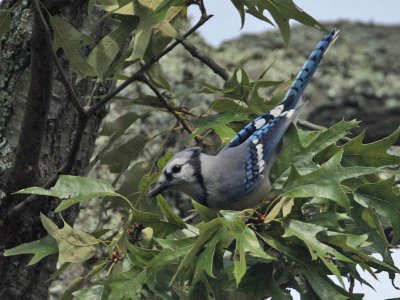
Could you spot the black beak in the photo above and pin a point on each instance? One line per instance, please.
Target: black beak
(158, 188)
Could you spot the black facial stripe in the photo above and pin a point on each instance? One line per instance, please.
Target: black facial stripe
(195, 162)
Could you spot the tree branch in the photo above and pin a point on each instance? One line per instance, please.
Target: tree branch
(167, 105)
(145, 67)
(217, 69)
(35, 115)
(74, 98)
(65, 169)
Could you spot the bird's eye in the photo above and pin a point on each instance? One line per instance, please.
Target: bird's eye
(176, 168)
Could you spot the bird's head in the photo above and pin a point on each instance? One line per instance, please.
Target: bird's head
(180, 172)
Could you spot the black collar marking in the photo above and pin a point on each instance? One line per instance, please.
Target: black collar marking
(195, 162)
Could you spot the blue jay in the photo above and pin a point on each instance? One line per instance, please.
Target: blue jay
(238, 176)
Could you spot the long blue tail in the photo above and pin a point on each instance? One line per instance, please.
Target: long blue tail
(293, 96)
(307, 71)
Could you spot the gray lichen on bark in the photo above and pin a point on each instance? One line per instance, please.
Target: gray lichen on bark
(16, 280)
(14, 80)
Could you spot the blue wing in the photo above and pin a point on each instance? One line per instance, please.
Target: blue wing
(264, 135)
(264, 143)
(292, 97)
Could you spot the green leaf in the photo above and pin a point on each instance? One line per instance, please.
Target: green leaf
(275, 243)
(372, 155)
(207, 230)
(40, 249)
(167, 256)
(126, 285)
(5, 20)
(240, 8)
(73, 245)
(308, 234)
(168, 213)
(246, 241)
(74, 189)
(329, 219)
(119, 125)
(71, 41)
(352, 243)
(259, 283)
(222, 105)
(101, 57)
(255, 8)
(300, 155)
(145, 218)
(218, 123)
(284, 10)
(371, 218)
(324, 287)
(139, 256)
(97, 268)
(155, 74)
(95, 292)
(130, 184)
(72, 287)
(345, 240)
(381, 197)
(325, 181)
(168, 29)
(162, 9)
(207, 214)
(119, 157)
(144, 10)
(205, 262)
(162, 162)
(281, 11)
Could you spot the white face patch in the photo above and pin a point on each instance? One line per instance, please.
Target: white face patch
(255, 142)
(259, 123)
(186, 172)
(277, 110)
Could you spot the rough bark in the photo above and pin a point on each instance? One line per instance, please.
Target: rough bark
(59, 124)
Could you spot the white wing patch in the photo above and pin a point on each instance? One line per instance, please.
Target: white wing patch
(261, 165)
(289, 113)
(259, 123)
(277, 110)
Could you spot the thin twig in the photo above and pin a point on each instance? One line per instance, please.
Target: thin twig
(190, 217)
(203, 11)
(185, 111)
(167, 105)
(311, 126)
(314, 127)
(75, 101)
(144, 68)
(94, 91)
(217, 69)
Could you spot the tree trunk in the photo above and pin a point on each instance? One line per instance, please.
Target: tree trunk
(57, 121)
